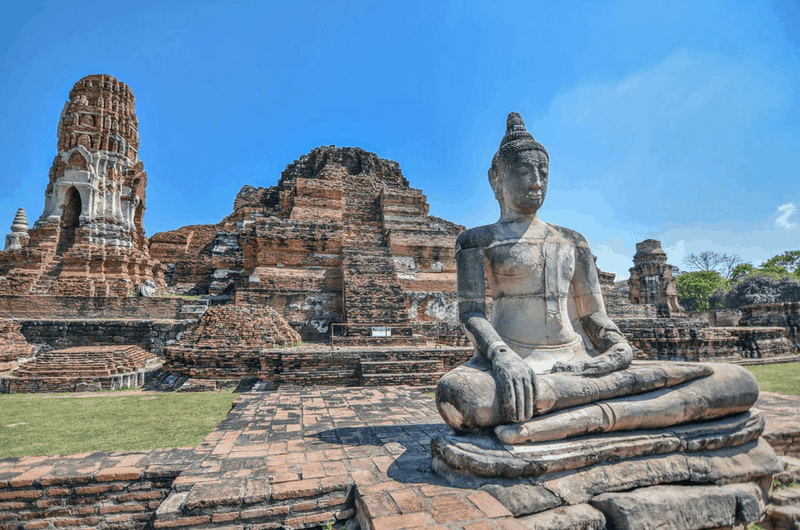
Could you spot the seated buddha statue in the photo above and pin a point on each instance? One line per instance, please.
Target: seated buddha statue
(549, 344)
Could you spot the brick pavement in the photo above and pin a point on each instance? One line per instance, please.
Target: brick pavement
(292, 458)
(783, 421)
(296, 458)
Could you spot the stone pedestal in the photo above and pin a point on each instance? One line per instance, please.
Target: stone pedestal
(716, 470)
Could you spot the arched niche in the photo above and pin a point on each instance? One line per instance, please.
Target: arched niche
(70, 219)
(138, 217)
(77, 161)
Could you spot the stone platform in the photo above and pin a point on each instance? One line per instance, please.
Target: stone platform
(293, 458)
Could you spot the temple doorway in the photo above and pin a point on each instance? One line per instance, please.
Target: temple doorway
(70, 218)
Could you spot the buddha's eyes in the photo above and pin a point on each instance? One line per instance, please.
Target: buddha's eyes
(526, 169)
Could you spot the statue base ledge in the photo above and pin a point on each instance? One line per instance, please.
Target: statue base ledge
(551, 479)
(659, 507)
(484, 456)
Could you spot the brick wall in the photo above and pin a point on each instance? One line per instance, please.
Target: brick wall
(85, 307)
(317, 365)
(106, 490)
(784, 314)
(60, 334)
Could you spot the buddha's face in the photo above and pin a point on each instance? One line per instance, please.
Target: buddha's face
(523, 183)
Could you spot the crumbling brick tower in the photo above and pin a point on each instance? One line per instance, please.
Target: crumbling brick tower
(89, 240)
(341, 239)
(651, 280)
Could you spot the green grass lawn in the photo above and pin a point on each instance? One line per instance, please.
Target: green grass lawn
(784, 377)
(34, 424)
(37, 424)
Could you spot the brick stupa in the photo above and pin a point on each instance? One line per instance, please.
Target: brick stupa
(230, 342)
(89, 240)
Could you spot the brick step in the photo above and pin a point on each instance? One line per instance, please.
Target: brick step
(401, 367)
(367, 242)
(375, 259)
(377, 317)
(410, 379)
(371, 257)
(388, 300)
(385, 302)
(353, 281)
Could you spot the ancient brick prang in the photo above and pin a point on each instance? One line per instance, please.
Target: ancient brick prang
(340, 238)
(89, 239)
(82, 368)
(651, 280)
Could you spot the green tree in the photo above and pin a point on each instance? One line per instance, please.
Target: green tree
(788, 262)
(777, 267)
(741, 272)
(694, 288)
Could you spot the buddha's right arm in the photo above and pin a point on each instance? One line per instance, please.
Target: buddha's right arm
(514, 376)
(471, 265)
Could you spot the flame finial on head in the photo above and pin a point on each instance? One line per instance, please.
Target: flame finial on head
(517, 137)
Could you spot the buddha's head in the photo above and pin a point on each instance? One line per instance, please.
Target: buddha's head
(518, 175)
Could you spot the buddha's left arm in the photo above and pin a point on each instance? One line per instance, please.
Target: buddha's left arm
(615, 352)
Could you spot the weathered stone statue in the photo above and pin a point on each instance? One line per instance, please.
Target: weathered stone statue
(551, 370)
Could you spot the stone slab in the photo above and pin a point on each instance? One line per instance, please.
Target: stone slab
(680, 507)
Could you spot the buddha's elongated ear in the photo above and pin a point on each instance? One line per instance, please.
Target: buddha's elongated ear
(494, 182)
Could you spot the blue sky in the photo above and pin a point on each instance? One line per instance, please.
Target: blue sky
(673, 120)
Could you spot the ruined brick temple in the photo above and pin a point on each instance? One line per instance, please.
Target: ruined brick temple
(341, 245)
(647, 312)
(89, 239)
(341, 238)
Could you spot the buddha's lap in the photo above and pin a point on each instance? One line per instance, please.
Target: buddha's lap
(469, 399)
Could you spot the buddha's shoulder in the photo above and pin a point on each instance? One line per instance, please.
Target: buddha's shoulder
(568, 236)
(487, 235)
(478, 237)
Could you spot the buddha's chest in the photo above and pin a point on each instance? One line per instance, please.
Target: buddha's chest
(530, 267)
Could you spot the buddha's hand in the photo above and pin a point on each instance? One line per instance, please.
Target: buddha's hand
(617, 357)
(516, 381)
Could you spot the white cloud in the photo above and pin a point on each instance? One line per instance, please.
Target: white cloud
(786, 211)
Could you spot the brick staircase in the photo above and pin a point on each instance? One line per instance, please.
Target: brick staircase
(372, 292)
(48, 276)
(402, 367)
(106, 367)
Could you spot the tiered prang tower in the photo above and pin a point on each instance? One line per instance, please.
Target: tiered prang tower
(89, 239)
(651, 280)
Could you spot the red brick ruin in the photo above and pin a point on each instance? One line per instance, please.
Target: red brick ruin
(341, 253)
(89, 240)
(341, 238)
(335, 277)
